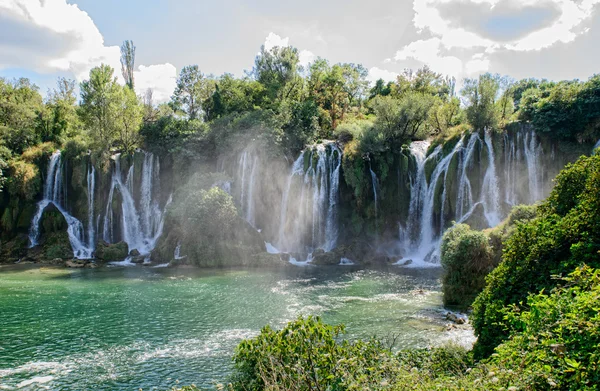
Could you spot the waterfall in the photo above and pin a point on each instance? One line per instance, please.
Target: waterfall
(247, 172)
(597, 145)
(418, 186)
(310, 221)
(142, 224)
(490, 190)
(427, 241)
(91, 189)
(54, 193)
(533, 149)
(374, 184)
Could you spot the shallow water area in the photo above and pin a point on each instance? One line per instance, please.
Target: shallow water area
(140, 327)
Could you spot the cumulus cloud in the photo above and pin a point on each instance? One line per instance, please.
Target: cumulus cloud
(160, 78)
(52, 35)
(376, 73)
(462, 34)
(274, 40)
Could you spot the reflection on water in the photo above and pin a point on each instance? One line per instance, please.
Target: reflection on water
(126, 328)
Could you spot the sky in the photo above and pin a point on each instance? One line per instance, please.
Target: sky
(552, 39)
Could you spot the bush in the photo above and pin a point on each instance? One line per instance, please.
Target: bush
(466, 257)
(309, 355)
(38, 154)
(565, 235)
(24, 180)
(499, 234)
(559, 336)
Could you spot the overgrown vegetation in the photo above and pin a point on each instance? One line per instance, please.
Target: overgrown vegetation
(565, 234)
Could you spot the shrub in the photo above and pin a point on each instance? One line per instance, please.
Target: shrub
(466, 257)
(24, 180)
(559, 336)
(309, 355)
(566, 234)
(39, 153)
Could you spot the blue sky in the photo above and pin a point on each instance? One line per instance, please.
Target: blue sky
(554, 39)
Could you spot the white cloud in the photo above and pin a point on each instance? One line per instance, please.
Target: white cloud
(306, 57)
(376, 73)
(273, 40)
(160, 78)
(458, 49)
(428, 51)
(51, 35)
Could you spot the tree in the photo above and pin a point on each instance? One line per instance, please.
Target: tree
(193, 89)
(446, 115)
(62, 119)
(277, 70)
(380, 88)
(128, 62)
(402, 119)
(128, 120)
(480, 95)
(20, 108)
(100, 97)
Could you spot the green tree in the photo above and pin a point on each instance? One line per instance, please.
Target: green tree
(128, 121)
(100, 101)
(128, 62)
(20, 109)
(62, 121)
(193, 89)
(480, 95)
(277, 70)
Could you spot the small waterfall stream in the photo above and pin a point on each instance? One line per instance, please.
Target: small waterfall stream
(54, 193)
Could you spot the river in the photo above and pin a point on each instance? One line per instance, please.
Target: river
(154, 328)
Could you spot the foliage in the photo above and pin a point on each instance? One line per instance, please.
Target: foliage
(500, 234)
(24, 180)
(558, 336)
(568, 109)
(192, 90)
(20, 106)
(128, 121)
(565, 234)
(309, 355)
(481, 95)
(100, 98)
(466, 257)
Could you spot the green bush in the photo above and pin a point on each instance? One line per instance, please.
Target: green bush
(310, 355)
(499, 234)
(24, 180)
(565, 235)
(466, 257)
(559, 336)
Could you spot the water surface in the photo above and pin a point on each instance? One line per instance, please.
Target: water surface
(131, 328)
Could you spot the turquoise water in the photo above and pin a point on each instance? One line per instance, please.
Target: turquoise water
(131, 328)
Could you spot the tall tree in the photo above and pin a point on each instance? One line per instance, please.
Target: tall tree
(277, 70)
(61, 119)
(128, 62)
(20, 108)
(100, 96)
(480, 95)
(192, 90)
(128, 121)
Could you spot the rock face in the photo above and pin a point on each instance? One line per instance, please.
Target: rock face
(111, 252)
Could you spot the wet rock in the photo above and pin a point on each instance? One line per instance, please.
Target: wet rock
(266, 259)
(326, 258)
(134, 253)
(91, 265)
(138, 260)
(111, 252)
(454, 318)
(75, 263)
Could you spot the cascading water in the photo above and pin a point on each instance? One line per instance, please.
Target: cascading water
(310, 220)
(423, 232)
(490, 191)
(374, 185)
(142, 224)
(248, 167)
(532, 149)
(54, 193)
